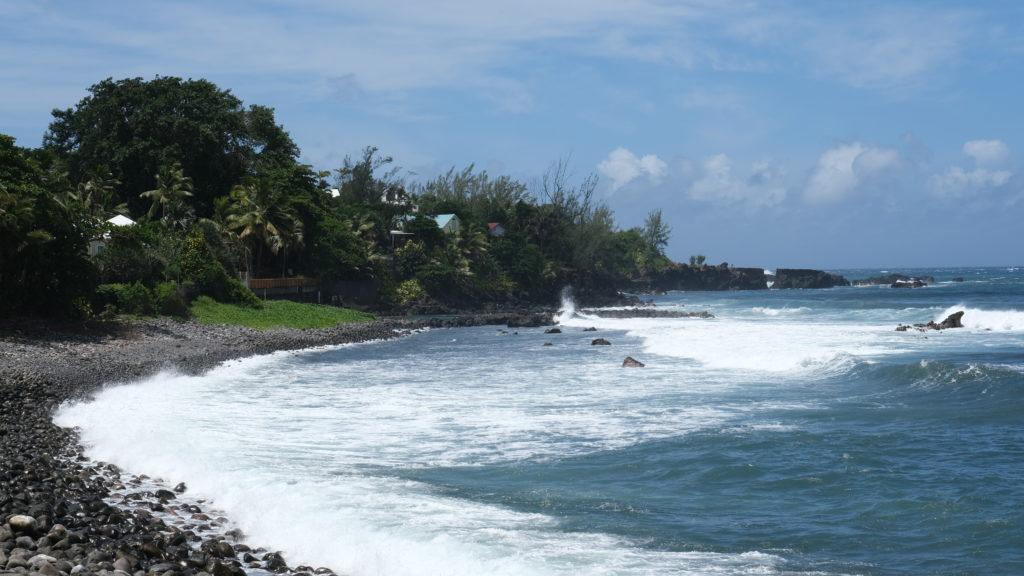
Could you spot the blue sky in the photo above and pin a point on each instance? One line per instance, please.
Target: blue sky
(828, 134)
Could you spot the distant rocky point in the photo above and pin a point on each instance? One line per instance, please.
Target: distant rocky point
(806, 278)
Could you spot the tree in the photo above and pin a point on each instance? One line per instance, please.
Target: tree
(656, 231)
(261, 217)
(697, 261)
(135, 127)
(169, 197)
(43, 264)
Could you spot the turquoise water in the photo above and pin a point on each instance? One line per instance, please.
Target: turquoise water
(796, 432)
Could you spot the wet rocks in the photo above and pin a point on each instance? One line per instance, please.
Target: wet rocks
(912, 283)
(22, 524)
(553, 331)
(590, 329)
(892, 279)
(600, 342)
(631, 362)
(954, 320)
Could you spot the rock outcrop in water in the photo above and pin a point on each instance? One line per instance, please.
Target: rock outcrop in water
(893, 279)
(954, 320)
(646, 312)
(631, 362)
(807, 278)
(600, 342)
(912, 283)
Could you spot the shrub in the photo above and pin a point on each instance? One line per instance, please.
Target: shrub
(128, 256)
(410, 258)
(169, 299)
(409, 292)
(124, 298)
(209, 277)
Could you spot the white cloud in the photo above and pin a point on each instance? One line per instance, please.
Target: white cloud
(622, 167)
(987, 152)
(988, 155)
(764, 186)
(958, 183)
(842, 169)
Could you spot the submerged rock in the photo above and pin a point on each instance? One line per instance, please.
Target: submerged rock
(600, 342)
(553, 331)
(591, 329)
(631, 362)
(912, 283)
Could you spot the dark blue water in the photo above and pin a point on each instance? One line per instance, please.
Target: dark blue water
(796, 432)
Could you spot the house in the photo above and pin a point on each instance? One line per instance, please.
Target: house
(495, 229)
(449, 223)
(97, 245)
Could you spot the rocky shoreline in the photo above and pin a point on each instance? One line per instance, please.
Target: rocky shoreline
(62, 514)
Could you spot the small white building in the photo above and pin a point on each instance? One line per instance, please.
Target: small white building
(449, 223)
(98, 245)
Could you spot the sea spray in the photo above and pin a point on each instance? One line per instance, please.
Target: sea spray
(568, 307)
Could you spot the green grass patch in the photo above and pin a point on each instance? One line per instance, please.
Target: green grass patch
(274, 314)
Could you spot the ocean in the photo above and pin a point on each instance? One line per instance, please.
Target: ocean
(795, 433)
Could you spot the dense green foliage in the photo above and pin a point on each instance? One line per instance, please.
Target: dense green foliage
(218, 192)
(43, 264)
(276, 314)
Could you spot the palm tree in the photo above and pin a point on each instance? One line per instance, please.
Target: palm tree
(261, 218)
(168, 198)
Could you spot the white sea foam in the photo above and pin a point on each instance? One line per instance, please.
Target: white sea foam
(994, 320)
(767, 311)
(304, 456)
(754, 345)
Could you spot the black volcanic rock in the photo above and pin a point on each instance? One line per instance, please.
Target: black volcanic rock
(912, 283)
(954, 320)
(890, 279)
(715, 278)
(631, 362)
(645, 313)
(807, 278)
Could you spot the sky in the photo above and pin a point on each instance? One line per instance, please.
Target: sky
(770, 133)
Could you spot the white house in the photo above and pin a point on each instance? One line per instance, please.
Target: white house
(449, 223)
(97, 245)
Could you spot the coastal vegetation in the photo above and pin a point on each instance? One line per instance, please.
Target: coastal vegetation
(212, 192)
(274, 314)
